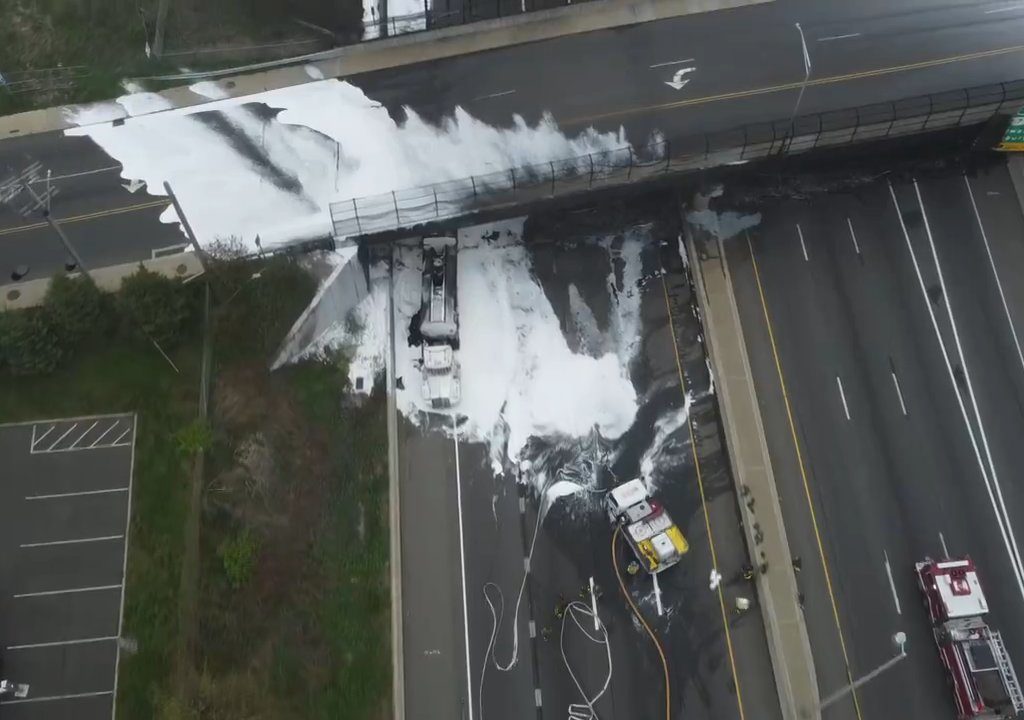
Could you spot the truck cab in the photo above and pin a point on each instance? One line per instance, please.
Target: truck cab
(655, 540)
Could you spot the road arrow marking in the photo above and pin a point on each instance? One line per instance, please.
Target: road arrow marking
(677, 82)
(133, 186)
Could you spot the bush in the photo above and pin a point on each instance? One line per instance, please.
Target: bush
(158, 307)
(28, 343)
(238, 553)
(77, 309)
(195, 436)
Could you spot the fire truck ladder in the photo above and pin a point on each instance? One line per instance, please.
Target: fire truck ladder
(1007, 671)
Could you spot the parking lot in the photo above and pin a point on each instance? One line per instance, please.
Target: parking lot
(65, 496)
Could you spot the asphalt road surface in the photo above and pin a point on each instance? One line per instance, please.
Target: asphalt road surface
(740, 66)
(718, 660)
(64, 513)
(895, 468)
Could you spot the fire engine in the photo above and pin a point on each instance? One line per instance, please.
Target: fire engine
(984, 681)
(655, 540)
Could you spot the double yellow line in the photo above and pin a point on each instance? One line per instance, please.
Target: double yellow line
(830, 80)
(87, 216)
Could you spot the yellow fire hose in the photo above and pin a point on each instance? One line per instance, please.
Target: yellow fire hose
(636, 611)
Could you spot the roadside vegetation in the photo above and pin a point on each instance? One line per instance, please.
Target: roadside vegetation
(62, 51)
(282, 608)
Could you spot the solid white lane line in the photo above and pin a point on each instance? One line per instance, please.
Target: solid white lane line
(57, 441)
(462, 559)
(838, 37)
(71, 542)
(945, 550)
(495, 95)
(75, 494)
(89, 430)
(51, 698)
(803, 246)
(892, 585)
(67, 591)
(1008, 8)
(956, 390)
(59, 643)
(899, 393)
(995, 273)
(842, 396)
(856, 246)
(671, 62)
(967, 377)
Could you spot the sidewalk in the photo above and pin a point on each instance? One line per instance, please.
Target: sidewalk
(413, 48)
(752, 472)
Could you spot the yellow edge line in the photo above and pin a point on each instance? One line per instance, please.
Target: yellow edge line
(831, 80)
(803, 473)
(87, 216)
(703, 502)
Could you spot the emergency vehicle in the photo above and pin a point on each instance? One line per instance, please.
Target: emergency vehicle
(655, 540)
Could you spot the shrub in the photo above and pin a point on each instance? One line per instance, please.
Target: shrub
(28, 343)
(158, 307)
(77, 309)
(195, 436)
(238, 554)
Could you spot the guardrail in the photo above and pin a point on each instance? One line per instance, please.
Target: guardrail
(444, 200)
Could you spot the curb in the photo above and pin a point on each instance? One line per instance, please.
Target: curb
(395, 517)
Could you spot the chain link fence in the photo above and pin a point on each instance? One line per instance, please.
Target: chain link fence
(507, 188)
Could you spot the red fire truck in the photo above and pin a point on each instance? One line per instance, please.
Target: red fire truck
(984, 682)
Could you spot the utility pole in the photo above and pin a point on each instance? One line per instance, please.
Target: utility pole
(807, 73)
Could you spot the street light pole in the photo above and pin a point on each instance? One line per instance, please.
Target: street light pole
(807, 72)
(900, 640)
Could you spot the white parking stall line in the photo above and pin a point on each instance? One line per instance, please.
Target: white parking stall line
(55, 496)
(62, 643)
(803, 245)
(892, 585)
(118, 443)
(67, 591)
(71, 542)
(842, 396)
(57, 441)
(37, 440)
(87, 431)
(51, 698)
(105, 433)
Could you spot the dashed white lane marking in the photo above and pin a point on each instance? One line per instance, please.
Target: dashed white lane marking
(51, 698)
(55, 496)
(842, 396)
(1008, 8)
(59, 643)
(899, 392)
(71, 542)
(671, 62)
(522, 506)
(803, 245)
(495, 95)
(828, 38)
(536, 697)
(853, 235)
(892, 585)
(533, 629)
(68, 591)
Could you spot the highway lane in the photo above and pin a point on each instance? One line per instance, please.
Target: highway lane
(748, 67)
(885, 484)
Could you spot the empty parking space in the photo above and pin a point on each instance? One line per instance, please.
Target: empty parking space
(65, 500)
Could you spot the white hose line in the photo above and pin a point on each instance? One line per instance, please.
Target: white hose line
(585, 710)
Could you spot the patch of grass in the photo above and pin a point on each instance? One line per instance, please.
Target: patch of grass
(123, 377)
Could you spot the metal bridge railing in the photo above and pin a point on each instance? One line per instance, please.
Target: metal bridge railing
(452, 198)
